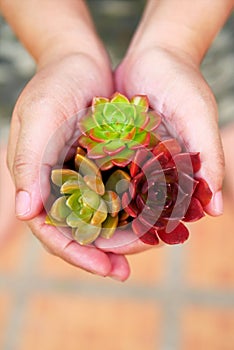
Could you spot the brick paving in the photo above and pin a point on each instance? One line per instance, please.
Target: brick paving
(177, 298)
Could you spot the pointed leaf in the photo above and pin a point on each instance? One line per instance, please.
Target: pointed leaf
(99, 100)
(141, 100)
(119, 98)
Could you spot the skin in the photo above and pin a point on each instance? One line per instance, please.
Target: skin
(72, 66)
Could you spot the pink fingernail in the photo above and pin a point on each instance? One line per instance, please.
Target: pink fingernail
(116, 278)
(22, 203)
(218, 202)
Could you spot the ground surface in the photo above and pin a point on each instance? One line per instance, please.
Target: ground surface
(178, 298)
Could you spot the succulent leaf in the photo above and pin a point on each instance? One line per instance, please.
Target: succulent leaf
(53, 222)
(109, 226)
(59, 176)
(95, 183)
(85, 166)
(141, 100)
(100, 214)
(59, 210)
(71, 186)
(86, 233)
(113, 203)
(118, 182)
(119, 98)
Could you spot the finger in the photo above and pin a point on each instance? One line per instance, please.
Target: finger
(36, 152)
(120, 269)
(195, 123)
(88, 258)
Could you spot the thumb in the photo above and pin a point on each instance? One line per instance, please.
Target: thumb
(42, 136)
(195, 121)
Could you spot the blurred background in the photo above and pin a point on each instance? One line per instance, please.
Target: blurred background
(179, 297)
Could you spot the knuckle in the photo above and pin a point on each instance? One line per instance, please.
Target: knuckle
(65, 248)
(21, 166)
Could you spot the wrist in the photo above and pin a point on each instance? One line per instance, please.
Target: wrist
(60, 45)
(169, 38)
(178, 25)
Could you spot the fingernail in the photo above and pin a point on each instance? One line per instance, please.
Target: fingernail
(116, 278)
(218, 202)
(22, 203)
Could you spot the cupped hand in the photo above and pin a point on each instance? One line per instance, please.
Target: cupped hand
(178, 91)
(58, 91)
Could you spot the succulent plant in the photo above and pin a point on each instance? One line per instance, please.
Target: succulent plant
(115, 128)
(124, 174)
(163, 192)
(84, 204)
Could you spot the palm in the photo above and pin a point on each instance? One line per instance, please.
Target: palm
(177, 90)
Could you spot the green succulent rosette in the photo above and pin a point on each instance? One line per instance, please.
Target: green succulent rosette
(84, 204)
(115, 128)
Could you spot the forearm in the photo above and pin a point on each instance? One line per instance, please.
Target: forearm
(189, 26)
(52, 28)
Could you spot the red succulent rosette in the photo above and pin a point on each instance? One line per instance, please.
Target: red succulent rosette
(164, 191)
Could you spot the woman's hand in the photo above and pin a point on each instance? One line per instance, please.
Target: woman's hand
(178, 91)
(56, 93)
